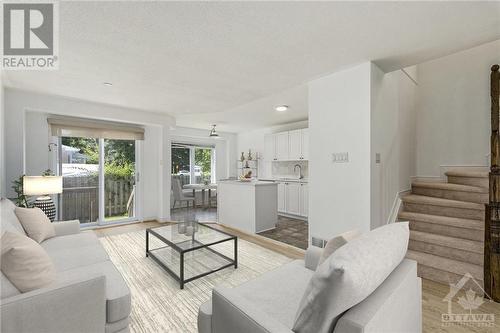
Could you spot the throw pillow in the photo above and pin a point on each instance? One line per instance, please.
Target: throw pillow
(25, 262)
(350, 275)
(336, 242)
(36, 224)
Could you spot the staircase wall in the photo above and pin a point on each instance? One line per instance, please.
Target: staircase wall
(453, 112)
(393, 119)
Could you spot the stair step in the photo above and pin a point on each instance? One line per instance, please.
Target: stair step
(447, 247)
(444, 207)
(446, 270)
(443, 225)
(473, 178)
(451, 242)
(451, 191)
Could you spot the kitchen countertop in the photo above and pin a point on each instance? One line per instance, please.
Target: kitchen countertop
(255, 182)
(279, 179)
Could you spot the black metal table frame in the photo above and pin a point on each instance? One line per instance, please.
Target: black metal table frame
(180, 279)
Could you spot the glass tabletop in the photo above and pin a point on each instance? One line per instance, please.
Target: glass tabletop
(187, 236)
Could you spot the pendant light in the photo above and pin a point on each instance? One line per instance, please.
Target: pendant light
(213, 132)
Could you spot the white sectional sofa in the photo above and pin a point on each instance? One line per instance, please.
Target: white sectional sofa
(268, 304)
(89, 295)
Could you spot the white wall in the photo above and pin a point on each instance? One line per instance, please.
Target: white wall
(27, 138)
(453, 122)
(3, 184)
(339, 121)
(393, 126)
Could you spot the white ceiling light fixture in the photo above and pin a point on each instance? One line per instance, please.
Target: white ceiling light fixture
(213, 132)
(281, 108)
(107, 84)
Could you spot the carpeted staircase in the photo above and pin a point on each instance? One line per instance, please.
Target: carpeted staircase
(447, 226)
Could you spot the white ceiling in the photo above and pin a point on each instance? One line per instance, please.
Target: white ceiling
(216, 58)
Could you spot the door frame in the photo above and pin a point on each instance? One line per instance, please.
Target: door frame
(101, 220)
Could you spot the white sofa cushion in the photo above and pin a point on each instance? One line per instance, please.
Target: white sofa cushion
(36, 224)
(336, 242)
(278, 292)
(8, 220)
(350, 275)
(25, 262)
(118, 298)
(8, 289)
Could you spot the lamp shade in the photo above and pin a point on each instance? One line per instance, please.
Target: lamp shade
(41, 185)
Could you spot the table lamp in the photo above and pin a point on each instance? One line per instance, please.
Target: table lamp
(43, 186)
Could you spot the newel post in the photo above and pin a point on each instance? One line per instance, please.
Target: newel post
(492, 212)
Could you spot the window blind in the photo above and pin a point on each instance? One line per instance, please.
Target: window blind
(188, 145)
(88, 128)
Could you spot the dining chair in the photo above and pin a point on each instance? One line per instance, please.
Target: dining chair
(179, 194)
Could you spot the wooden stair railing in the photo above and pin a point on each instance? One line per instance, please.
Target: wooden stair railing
(492, 212)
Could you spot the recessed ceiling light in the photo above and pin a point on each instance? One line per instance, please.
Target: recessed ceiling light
(108, 84)
(281, 108)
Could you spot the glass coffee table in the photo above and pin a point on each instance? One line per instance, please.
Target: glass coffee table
(190, 250)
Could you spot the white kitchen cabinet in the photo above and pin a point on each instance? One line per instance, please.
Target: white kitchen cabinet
(281, 197)
(281, 146)
(269, 147)
(293, 200)
(304, 199)
(295, 145)
(305, 144)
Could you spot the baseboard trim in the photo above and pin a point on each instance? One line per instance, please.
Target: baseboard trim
(296, 217)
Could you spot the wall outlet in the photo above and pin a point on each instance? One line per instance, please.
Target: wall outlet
(377, 158)
(340, 157)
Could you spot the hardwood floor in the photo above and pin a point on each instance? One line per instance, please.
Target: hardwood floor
(433, 293)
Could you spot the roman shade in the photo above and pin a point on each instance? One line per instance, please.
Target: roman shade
(87, 128)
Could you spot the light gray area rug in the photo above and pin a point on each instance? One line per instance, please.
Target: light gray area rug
(158, 305)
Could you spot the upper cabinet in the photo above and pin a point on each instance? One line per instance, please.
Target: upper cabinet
(282, 146)
(305, 143)
(287, 146)
(295, 145)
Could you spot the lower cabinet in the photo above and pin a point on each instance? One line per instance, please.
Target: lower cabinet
(293, 198)
(281, 197)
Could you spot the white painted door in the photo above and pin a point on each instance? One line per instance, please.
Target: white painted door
(293, 198)
(269, 148)
(281, 146)
(282, 197)
(294, 144)
(304, 199)
(305, 144)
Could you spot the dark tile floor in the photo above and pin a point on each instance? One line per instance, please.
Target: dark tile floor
(200, 214)
(290, 231)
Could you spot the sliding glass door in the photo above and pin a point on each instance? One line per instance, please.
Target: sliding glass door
(99, 180)
(79, 166)
(119, 179)
(193, 164)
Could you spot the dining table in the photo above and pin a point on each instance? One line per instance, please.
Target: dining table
(202, 188)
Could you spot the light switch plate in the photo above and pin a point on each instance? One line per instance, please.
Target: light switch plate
(340, 157)
(318, 242)
(377, 158)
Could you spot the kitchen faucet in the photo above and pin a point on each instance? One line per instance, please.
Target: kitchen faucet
(300, 170)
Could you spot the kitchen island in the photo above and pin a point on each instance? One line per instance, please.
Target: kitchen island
(248, 206)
